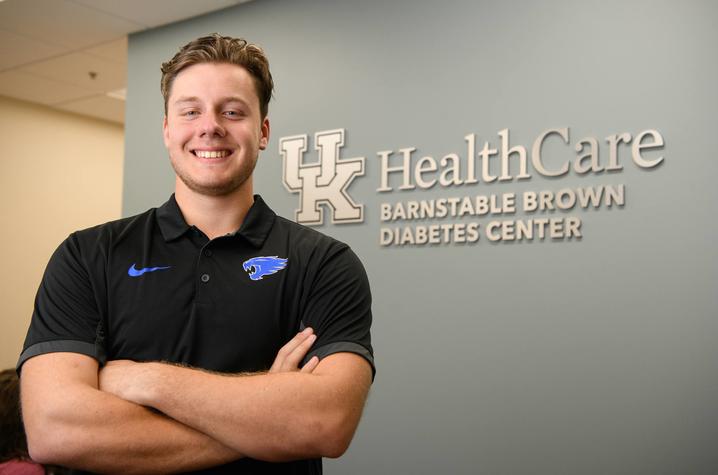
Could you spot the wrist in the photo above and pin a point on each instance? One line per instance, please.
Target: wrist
(149, 383)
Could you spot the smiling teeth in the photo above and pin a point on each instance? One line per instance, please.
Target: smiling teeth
(212, 154)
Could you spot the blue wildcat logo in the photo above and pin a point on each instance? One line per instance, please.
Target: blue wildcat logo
(258, 267)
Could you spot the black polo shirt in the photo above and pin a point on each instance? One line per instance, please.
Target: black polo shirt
(151, 287)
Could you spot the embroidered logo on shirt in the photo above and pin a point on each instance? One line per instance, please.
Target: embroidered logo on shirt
(258, 267)
(133, 272)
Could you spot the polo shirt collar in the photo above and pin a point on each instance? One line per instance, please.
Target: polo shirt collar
(254, 229)
(257, 223)
(170, 220)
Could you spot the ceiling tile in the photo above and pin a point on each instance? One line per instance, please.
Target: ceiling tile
(75, 69)
(29, 87)
(115, 51)
(99, 106)
(63, 22)
(154, 13)
(16, 50)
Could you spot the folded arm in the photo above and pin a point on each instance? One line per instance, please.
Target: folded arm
(272, 417)
(70, 422)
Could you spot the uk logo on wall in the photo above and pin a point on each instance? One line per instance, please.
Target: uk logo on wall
(322, 182)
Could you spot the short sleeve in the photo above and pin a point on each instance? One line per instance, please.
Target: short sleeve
(339, 308)
(65, 316)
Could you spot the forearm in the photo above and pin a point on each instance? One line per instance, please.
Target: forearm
(266, 415)
(272, 417)
(110, 435)
(71, 423)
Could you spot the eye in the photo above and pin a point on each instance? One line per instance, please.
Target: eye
(233, 114)
(189, 113)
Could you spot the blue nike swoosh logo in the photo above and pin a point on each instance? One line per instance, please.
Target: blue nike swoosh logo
(133, 272)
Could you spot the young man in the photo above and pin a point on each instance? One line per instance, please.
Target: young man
(207, 334)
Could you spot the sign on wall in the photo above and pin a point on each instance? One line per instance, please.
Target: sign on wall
(465, 216)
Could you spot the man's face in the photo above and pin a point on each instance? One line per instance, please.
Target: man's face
(213, 129)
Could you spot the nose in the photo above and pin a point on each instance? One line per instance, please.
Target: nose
(211, 126)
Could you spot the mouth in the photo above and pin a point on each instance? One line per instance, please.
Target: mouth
(250, 270)
(211, 154)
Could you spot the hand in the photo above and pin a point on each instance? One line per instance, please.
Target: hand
(134, 381)
(125, 379)
(291, 354)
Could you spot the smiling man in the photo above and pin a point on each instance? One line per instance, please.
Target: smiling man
(208, 334)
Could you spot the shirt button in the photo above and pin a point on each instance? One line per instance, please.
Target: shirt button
(207, 253)
(204, 278)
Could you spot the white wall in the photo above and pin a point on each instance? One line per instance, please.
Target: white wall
(58, 172)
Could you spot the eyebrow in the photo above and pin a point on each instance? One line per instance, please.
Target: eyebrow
(190, 99)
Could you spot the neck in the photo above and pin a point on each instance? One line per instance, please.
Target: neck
(214, 215)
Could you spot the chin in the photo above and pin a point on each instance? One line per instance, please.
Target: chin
(223, 188)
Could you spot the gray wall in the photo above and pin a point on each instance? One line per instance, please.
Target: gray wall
(587, 356)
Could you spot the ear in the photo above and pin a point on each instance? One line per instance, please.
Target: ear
(264, 131)
(165, 133)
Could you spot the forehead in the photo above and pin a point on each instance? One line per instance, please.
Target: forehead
(214, 82)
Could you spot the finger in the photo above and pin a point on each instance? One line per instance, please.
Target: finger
(290, 361)
(294, 359)
(292, 344)
(311, 365)
(288, 348)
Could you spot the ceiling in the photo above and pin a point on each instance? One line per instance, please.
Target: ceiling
(72, 54)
